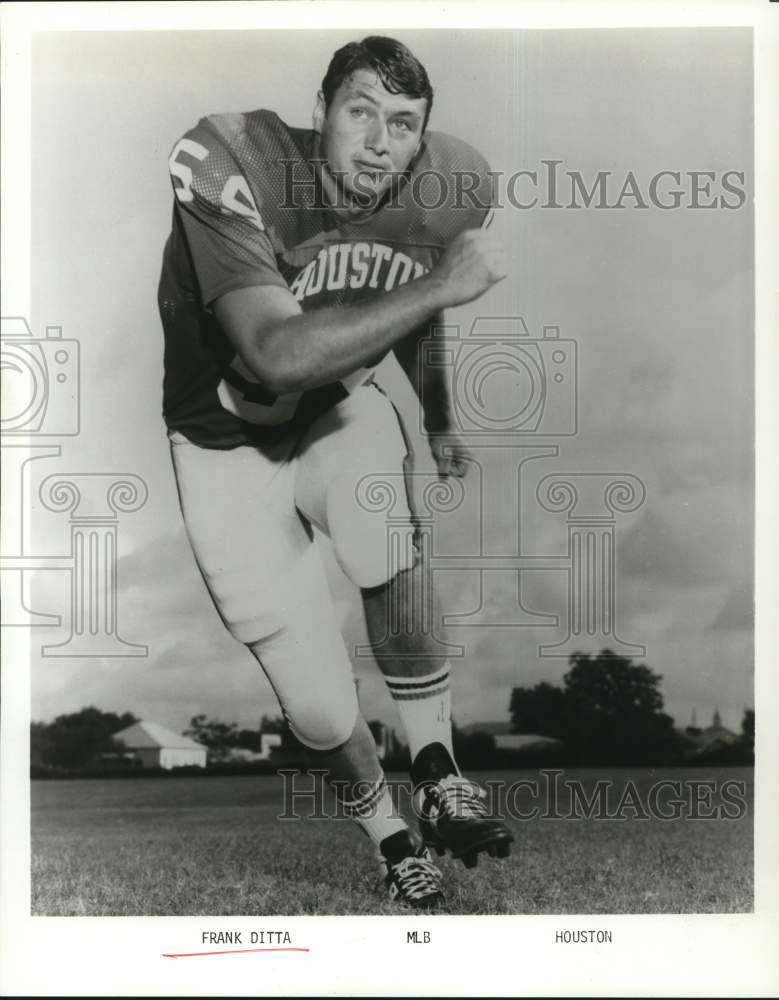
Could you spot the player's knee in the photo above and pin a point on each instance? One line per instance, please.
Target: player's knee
(371, 563)
(370, 548)
(324, 721)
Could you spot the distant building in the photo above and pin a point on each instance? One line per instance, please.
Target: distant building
(716, 732)
(713, 736)
(126, 761)
(240, 755)
(268, 742)
(505, 739)
(155, 746)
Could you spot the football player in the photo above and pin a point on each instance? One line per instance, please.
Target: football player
(297, 259)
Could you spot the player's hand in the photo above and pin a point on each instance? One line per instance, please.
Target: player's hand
(471, 264)
(450, 453)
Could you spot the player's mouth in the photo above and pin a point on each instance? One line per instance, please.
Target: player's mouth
(372, 171)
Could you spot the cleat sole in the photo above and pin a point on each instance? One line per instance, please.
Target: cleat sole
(498, 847)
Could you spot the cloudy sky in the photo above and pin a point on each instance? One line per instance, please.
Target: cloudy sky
(659, 303)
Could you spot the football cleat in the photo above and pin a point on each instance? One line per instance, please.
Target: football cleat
(414, 880)
(453, 817)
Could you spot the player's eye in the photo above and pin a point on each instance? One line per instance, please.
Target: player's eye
(359, 113)
(402, 125)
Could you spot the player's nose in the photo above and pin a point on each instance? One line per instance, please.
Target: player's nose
(377, 138)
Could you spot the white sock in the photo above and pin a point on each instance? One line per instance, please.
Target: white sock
(425, 707)
(375, 812)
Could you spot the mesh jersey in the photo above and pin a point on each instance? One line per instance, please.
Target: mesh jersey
(249, 211)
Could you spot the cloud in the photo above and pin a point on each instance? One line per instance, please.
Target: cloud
(659, 549)
(193, 674)
(737, 613)
(193, 664)
(691, 537)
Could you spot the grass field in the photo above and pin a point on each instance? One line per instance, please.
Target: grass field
(214, 846)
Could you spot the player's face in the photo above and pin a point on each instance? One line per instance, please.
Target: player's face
(369, 134)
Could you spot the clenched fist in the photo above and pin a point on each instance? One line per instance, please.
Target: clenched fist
(471, 264)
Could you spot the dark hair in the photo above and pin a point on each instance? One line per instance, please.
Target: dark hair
(399, 70)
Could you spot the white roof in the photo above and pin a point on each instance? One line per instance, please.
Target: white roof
(150, 735)
(518, 741)
(505, 735)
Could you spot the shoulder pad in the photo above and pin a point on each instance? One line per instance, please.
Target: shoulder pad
(233, 162)
(452, 185)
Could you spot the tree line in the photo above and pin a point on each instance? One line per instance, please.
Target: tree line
(608, 711)
(76, 741)
(221, 738)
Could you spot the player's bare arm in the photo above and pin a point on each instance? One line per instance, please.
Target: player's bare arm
(291, 351)
(429, 382)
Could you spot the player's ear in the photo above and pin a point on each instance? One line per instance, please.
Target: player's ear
(319, 112)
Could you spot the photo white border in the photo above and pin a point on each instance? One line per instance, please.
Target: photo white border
(650, 955)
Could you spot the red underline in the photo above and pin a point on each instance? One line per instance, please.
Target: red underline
(233, 951)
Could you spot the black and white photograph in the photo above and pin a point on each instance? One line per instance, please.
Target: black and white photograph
(388, 445)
